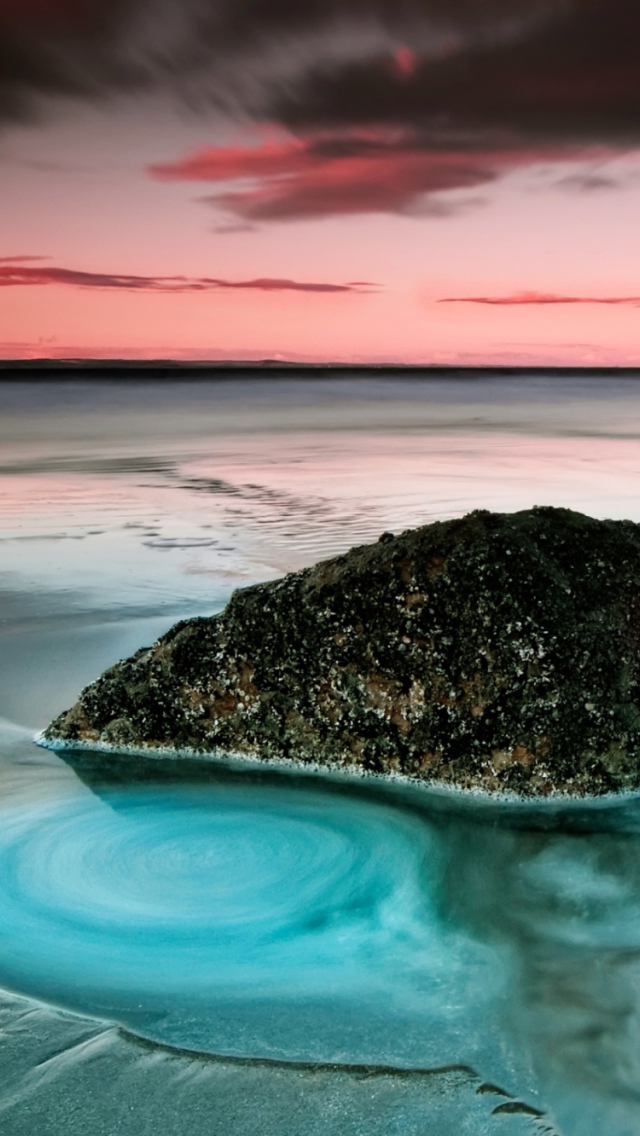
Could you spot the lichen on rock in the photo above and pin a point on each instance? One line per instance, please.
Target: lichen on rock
(498, 652)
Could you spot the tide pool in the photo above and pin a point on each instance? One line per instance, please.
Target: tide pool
(255, 918)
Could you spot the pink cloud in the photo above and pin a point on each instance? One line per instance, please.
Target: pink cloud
(519, 298)
(13, 273)
(326, 174)
(406, 61)
(20, 259)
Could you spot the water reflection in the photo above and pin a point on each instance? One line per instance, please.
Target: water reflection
(560, 891)
(152, 494)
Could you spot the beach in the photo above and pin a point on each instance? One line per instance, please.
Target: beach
(316, 950)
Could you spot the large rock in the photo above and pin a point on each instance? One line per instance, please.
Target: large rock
(497, 652)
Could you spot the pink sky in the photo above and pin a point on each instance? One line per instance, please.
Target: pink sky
(472, 199)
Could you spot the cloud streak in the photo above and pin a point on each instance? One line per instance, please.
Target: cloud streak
(240, 55)
(14, 273)
(563, 70)
(520, 298)
(334, 174)
(20, 259)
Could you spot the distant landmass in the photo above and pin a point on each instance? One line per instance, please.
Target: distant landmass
(216, 368)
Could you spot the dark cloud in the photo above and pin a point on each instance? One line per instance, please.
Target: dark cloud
(591, 183)
(559, 69)
(571, 76)
(237, 53)
(469, 88)
(14, 274)
(519, 298)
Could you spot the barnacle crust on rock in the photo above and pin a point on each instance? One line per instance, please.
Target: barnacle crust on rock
(498, 652)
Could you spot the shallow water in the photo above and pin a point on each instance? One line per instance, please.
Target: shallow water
(350, 956)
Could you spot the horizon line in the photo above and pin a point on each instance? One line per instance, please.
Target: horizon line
(269, 367)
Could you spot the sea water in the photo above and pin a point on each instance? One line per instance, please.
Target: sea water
(230, 950)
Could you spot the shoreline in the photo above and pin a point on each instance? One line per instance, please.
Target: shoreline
(155, 370)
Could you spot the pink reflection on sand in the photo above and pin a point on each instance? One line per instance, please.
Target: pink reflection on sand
(258, 505)
(318, 495)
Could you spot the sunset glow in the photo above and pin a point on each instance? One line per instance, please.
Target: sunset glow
(421, 183)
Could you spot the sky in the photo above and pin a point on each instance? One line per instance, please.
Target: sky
(419, 181)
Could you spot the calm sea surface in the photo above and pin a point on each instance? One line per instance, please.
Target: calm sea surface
(237, 953)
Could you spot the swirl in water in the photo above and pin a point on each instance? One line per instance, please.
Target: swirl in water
(177, 910)
(243, 885)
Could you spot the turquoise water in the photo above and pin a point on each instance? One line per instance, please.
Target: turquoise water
(172, 909)
(207, 890)
(295, 954)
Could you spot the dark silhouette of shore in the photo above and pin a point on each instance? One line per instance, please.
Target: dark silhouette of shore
(175, 370)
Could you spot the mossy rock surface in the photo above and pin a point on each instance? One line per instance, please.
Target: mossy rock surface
(498, 652)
